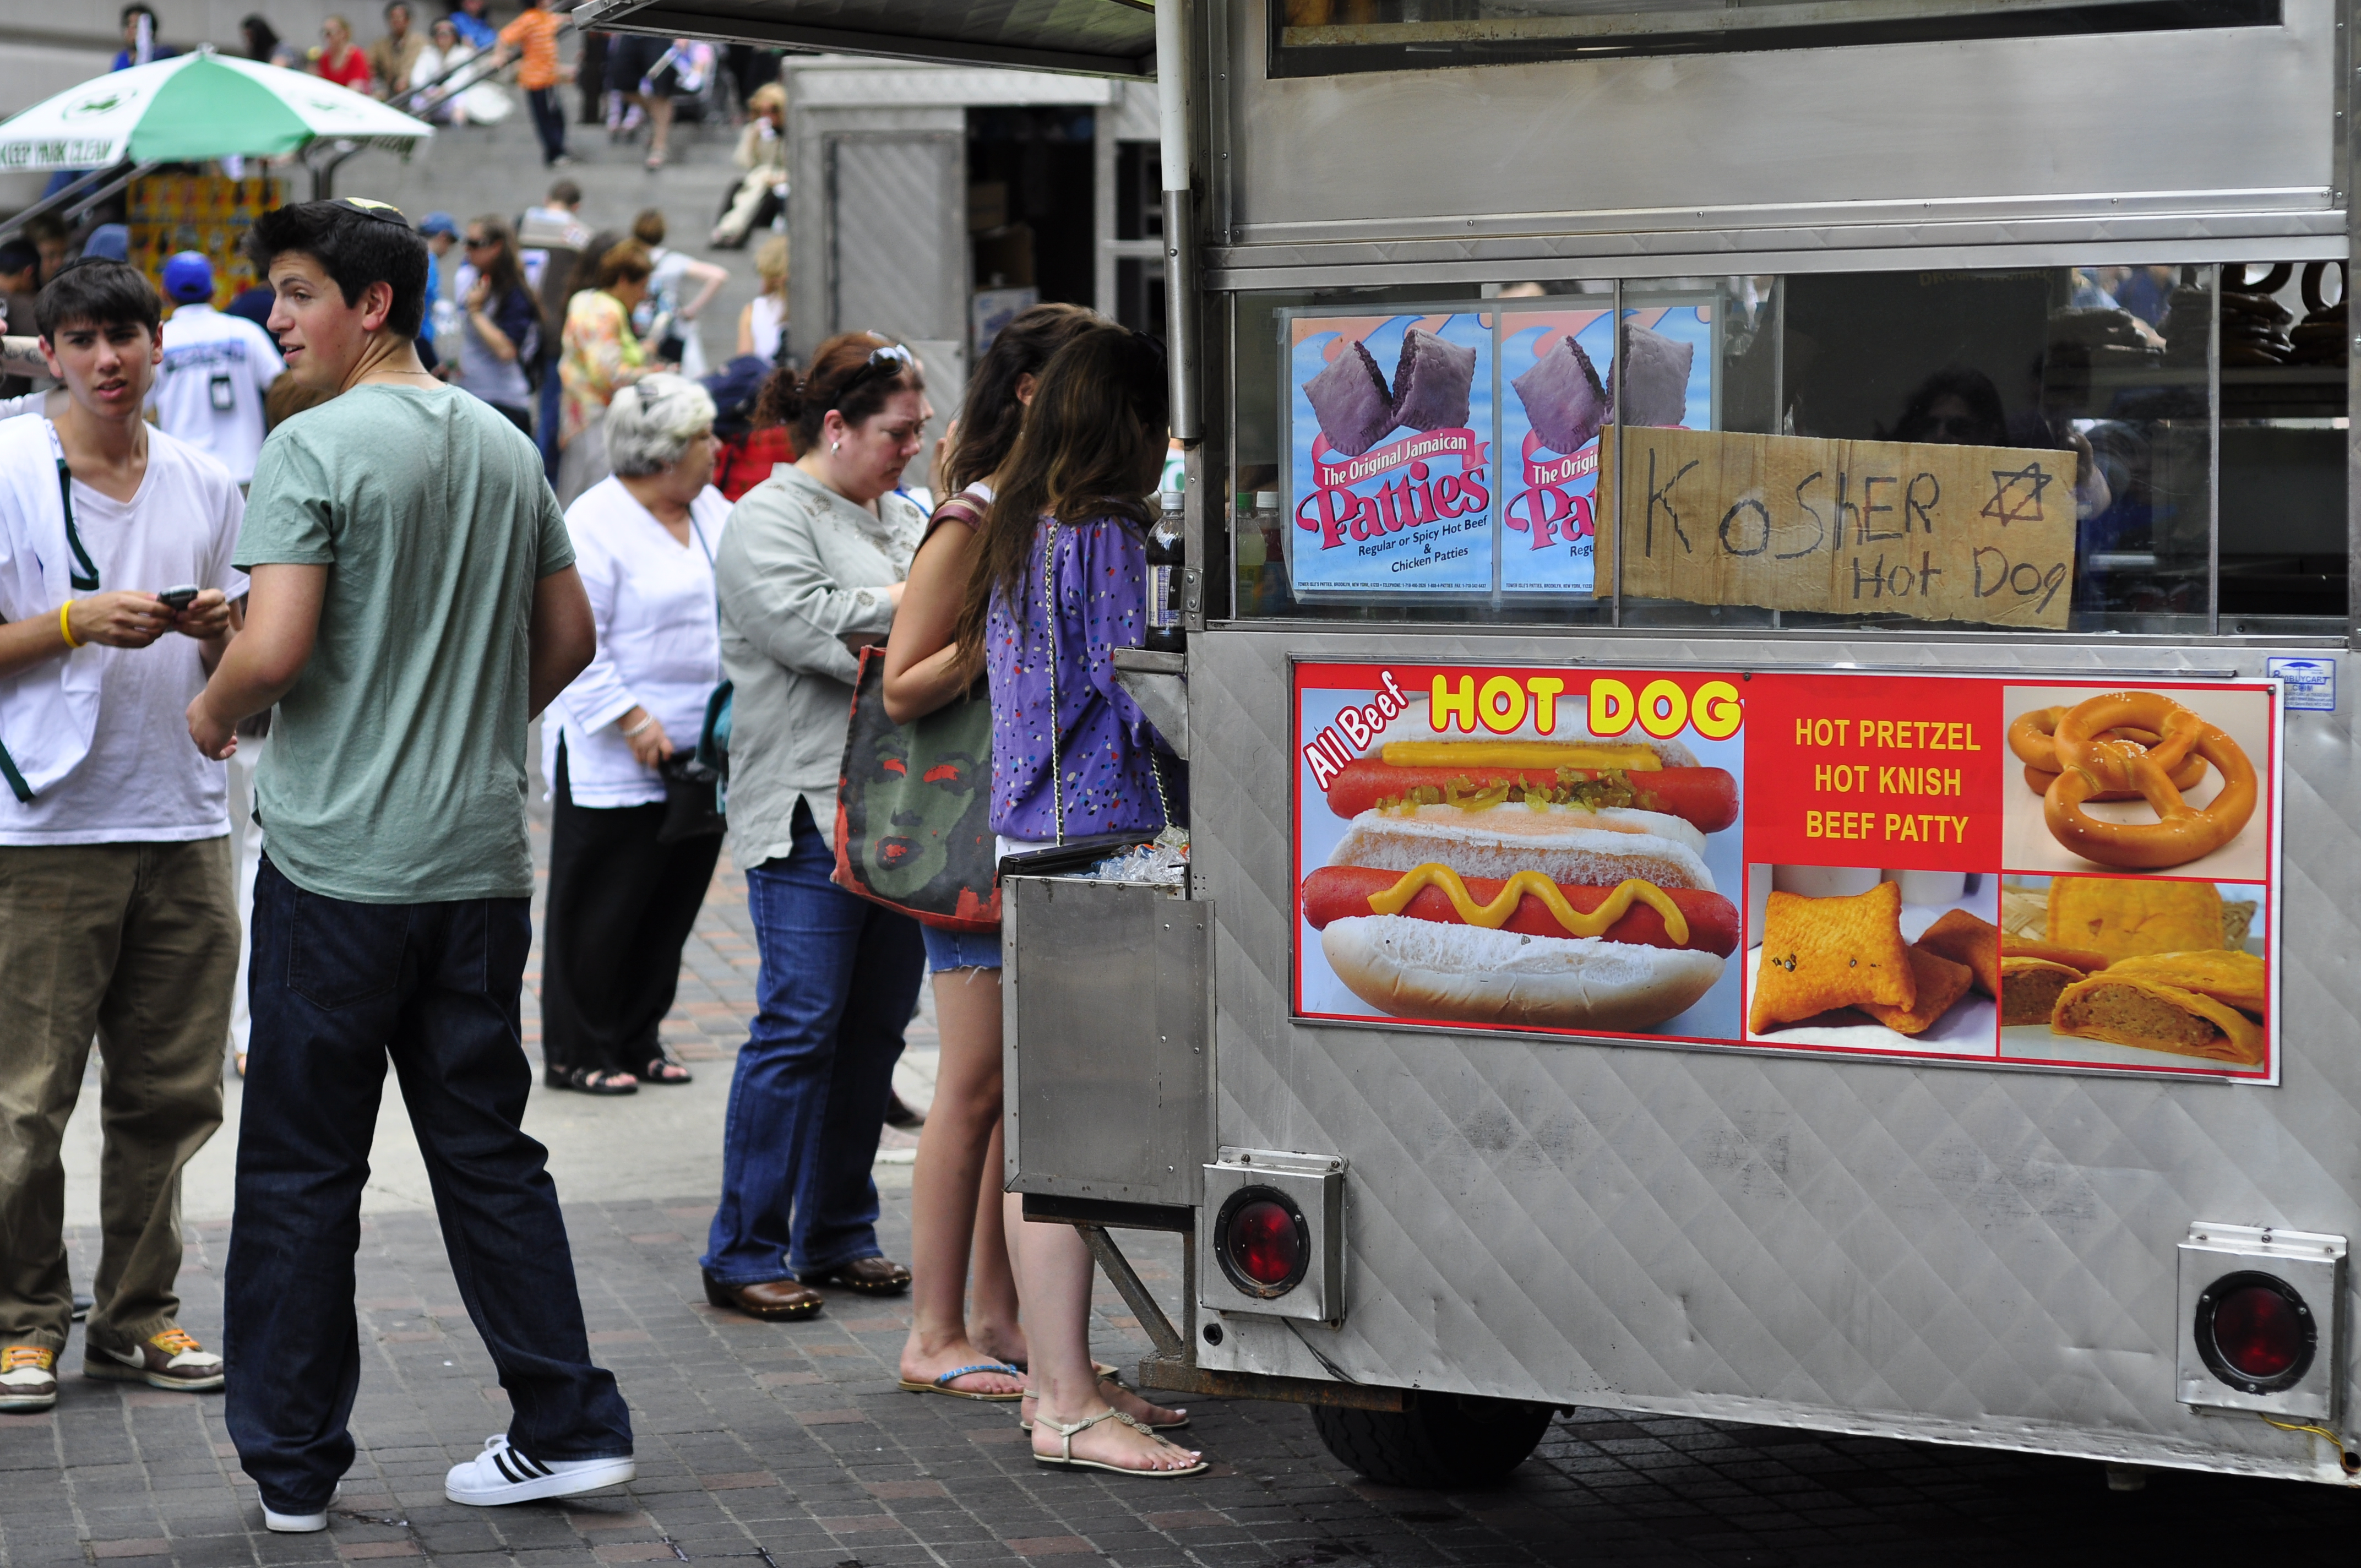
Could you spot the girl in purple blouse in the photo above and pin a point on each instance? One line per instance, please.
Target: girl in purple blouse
(1068, 507)
(1081, 495)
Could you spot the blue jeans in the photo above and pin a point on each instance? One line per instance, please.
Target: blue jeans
(337, 988)
(839, 980)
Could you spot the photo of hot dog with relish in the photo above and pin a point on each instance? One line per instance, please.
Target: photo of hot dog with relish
(1523, 879)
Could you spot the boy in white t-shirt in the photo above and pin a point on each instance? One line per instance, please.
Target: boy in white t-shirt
(115, 915)
(217, 367)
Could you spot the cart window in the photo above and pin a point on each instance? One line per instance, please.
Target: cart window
(1319, 37)
(2158, 449)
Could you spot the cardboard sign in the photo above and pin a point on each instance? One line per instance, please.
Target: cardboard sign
(1980, 533)
(1506, 847)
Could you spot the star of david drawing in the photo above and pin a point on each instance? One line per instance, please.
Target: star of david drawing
(2017, 495)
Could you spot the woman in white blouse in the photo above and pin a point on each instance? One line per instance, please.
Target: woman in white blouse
(621, 902)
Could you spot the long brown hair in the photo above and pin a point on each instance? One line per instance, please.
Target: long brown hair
(846, 375)
(990, 416)
(1089, 448)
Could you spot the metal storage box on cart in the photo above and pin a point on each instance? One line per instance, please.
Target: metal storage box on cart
(1107, 996)
(2002, 251)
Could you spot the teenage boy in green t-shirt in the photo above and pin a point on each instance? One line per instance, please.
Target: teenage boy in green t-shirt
(414, 604)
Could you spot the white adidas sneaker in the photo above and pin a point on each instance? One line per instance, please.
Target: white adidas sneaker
(504, 1475)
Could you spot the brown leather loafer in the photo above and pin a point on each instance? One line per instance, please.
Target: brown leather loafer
(869, 1275)
(773, 1300)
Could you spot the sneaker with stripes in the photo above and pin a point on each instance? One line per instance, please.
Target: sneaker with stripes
(504, 1475)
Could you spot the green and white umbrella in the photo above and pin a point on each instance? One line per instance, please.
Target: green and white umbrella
(194, 107)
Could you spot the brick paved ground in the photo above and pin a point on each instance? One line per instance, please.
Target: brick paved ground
(789, 1445)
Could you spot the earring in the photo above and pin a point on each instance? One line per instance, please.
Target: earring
(835, 445)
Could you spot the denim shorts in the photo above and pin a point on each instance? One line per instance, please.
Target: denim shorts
(960, 949)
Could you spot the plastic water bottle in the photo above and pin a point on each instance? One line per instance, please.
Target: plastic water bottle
(1164, 576)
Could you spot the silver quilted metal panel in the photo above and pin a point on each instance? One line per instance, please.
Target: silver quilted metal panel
(1959, 1253)
(892, 200)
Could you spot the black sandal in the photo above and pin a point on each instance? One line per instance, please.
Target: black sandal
(589, 1080)
(664, 1070)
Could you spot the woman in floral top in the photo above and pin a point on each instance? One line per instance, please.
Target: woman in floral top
(1072, 754)
(602, 355)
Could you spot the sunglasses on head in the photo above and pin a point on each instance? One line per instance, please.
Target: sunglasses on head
(892, 358)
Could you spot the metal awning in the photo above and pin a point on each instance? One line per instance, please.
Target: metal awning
(1098, 37)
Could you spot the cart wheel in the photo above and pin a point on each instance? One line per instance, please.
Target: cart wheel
(1445, 1442)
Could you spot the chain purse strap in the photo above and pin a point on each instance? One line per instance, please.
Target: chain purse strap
(1056, 733)
(1156, 771)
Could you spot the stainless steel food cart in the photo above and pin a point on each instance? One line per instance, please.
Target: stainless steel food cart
(1849, 200)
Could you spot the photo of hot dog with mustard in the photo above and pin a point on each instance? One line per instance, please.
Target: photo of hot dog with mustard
(1525, 875)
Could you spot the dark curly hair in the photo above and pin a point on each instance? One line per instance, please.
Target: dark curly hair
(844, 375)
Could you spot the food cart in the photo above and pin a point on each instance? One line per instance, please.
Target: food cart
(1773, 813)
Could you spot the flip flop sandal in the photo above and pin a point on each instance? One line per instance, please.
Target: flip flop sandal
(943, 1385)
(1023, 1425)
(1066, 1460)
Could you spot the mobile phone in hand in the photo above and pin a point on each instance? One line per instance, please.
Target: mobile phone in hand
(179, 598)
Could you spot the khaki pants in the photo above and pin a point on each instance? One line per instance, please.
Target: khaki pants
(137, 944)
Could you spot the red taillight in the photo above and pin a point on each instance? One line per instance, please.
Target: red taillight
(2259, 1331)
(2255, 1331)
(1265, 1246)
(1264, 1243)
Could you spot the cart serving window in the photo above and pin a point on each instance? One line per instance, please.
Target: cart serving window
(2132, 447)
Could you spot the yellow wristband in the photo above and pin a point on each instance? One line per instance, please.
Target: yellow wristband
(65, 627)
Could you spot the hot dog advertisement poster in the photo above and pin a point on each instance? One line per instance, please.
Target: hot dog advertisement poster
(2042, 872)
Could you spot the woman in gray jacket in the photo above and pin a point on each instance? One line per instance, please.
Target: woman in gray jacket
(810, 570)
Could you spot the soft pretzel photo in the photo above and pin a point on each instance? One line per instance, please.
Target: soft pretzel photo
(2123, 745)
(2033, 737)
